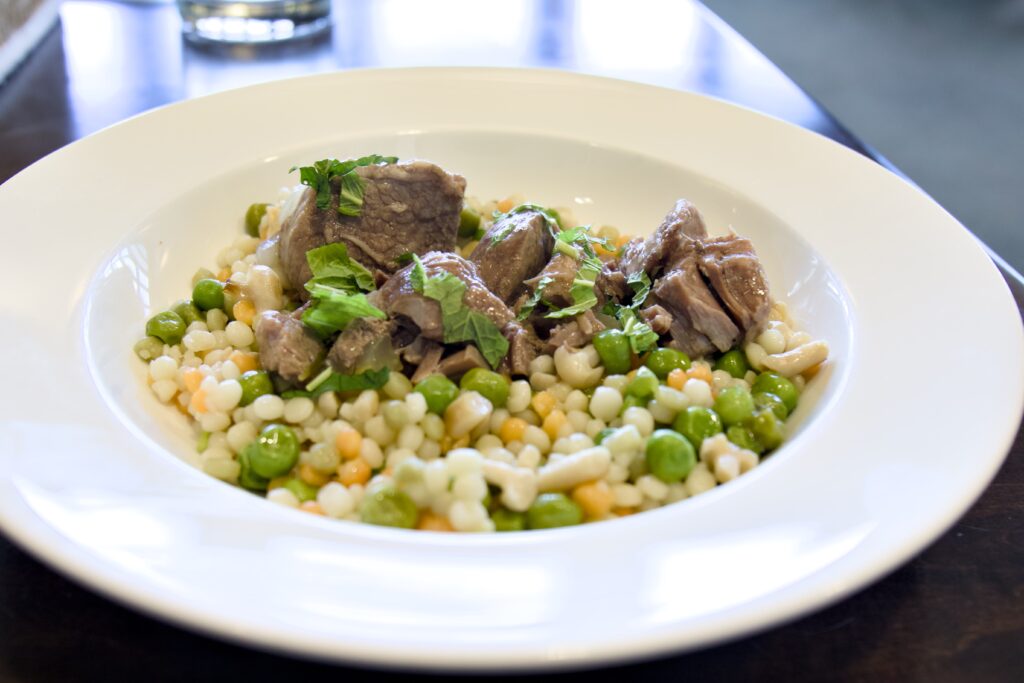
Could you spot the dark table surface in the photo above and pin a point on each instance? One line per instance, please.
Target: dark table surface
(956, 612)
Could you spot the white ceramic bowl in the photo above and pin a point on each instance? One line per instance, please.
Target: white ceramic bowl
(891, 444)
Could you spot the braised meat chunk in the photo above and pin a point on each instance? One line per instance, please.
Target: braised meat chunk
(673, 239)
(513, 250)
(409, 206)
(735, 273)
(364, 344)
(287, 346)
(398, 296)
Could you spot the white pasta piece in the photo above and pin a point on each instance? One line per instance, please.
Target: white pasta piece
(590, 463)
(700, 480)
(792, 363)
(626, 495)
(335, 500)
(727, 468)
(540, 381)
(466, 413)
(606, 403)
(577, 368)
(772, 340)
(755, 355)
(469, 516)
(165, 389)
(518, 484)
(519, 396)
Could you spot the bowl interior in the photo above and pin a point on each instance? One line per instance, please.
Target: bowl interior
(153, 265)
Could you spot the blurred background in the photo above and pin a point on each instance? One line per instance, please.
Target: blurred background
(936, 86)
(933, 85)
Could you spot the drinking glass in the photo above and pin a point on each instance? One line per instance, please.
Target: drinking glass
(253, 21)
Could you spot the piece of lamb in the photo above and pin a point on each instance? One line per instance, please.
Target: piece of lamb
(287, 346)
(524, 247)
(684, 293)
(398, 297)
(462, 361)
(410, 206)
(667, 245)
(358, 341)
(735, 274)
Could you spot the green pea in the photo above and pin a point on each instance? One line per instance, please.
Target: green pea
(439, 392)
(602, 435)
(664, 361)
(744, 438)
(643, 384)
(389, 507)
(148, 348)
(301, 489)
(248, 479)
(734, 405)
(188, 312)
(469, 222)
(613, 348)
(276, 452)
(167, 326)
(507, 520)
(768, 429)
(633, 402)
(774, 383)
(767, 401)
(487, 383)
(253, 215)
(255, 383)
(552, 510)
(734, 362)
(208, 293)
(697, 423)
(670, 457)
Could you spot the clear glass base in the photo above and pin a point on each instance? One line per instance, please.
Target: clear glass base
(253, 21)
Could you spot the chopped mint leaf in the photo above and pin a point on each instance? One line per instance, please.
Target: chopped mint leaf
(332, 266)
(641, 336)
(350, 196)
(371, 379)
(333, 309)
(461, 324)
(583, 295)
(551, 217)
(535, 298)
(640, 283)
(418, 274)
(580, 238)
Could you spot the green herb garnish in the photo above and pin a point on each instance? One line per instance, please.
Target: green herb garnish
(336, 290)
(641, 336)
(535, 298)
(640, 283)
(461, 323)
(333, 309)
(332, 266)
(551, 217)
(583, 295)
(333, 381)
(350, 196)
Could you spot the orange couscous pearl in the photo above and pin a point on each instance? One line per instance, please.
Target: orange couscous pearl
(354, 472)
(348, 442)
(676, 379)
(595, 497)
(512, 429)
(433, 522)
